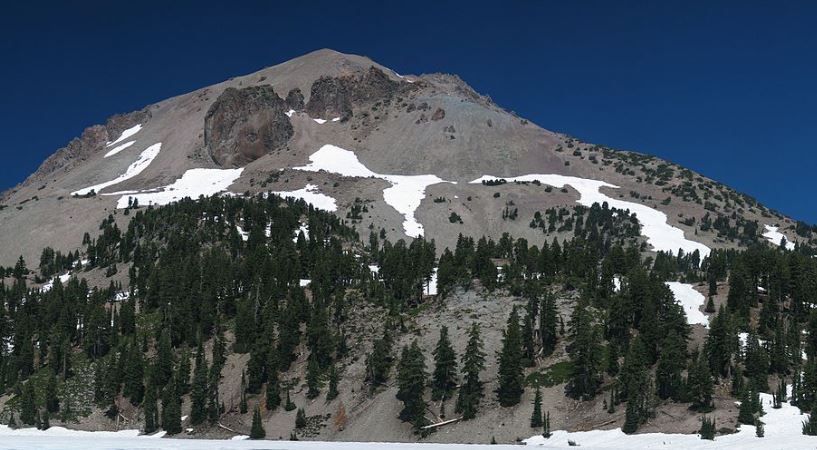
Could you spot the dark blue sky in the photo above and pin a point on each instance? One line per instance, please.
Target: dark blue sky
(727, 89)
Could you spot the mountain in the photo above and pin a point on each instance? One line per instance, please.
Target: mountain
(401, 125)
(634, 293)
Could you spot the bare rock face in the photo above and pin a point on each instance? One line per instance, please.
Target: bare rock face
(295, 99)
(243, 125)
(336, 96)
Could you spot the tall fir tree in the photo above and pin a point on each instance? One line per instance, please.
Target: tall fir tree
(473, 362)
(411, 379)
(509, 375)
(445, 368)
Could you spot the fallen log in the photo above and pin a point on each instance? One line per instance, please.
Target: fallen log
(441, 424)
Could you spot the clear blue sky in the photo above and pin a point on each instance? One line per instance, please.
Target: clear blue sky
(727, 89)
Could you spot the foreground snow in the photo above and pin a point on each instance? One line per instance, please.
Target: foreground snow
(142, 162)
(126, 134)
(193, 183)
(310, 194)
(660, 234)
(776, 237)
(691, 300)
(783, 430)
(406, 191)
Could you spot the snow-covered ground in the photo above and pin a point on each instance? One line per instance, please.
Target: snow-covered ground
(126, 134)
(63, 279)
(57, 438)
(193, 183)
(775, 237)
(660, 234)
(691, 300)
(406, 191)
(119, 148)
(312, 195)
(783, 430)
(142, 162)
(431, 287)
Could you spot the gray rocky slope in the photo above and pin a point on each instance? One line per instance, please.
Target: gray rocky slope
(427, 124)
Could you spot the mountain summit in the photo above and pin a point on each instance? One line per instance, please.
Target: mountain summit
(250, 133)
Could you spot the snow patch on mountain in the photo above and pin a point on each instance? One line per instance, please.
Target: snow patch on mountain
(50, 284)
(119, 148)
(783, 429)
(659, 233)
(312, 195)
(126, 134)
(193, 183)
(142, 162)
(776, 237)
(406, 191)
(691, 300)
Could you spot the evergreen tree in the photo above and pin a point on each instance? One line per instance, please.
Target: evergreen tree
(300, 418)
(585, 354)
(151, 410)
(378, 362)
(473, 362)
(257, 430)
(288, 405)
(332, 393)
(52, 403)
(28, 410)
(171, 409)
(312, 378)
(671, 360)
(536, 420)
(699, 385)
(510, 364)
(707, 428)
(411, 378)
(199, 390)
(445, 368)
(547, 324)
(273, 397)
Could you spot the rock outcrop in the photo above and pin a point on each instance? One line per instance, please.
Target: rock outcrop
(332, 97)
(243, 125)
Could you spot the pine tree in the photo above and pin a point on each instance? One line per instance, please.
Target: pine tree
(151, 410)
(473, 362)
(547, 324)
(670, 365)
(288, 405)
(171, 409)
(746, 413)
(300, 418)
(312, 378)
(52, 403)
(257, 431)
(411, 378)
(332, 393)
(445, 368)
(585, 354)
(378, 362)
(536, 420)
(28, 410)
(510, 364)
(759, 429)
(699, 385)
(134, 387)
(184, 373)
(199, 390)
(273, 395)
(707, 428)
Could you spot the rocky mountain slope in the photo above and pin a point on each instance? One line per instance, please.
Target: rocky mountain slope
(271, 121)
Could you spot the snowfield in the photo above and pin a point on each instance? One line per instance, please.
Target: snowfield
(776, 237)
(58, 438)
(660, 234)
(63, 279)
(782, 431)
(193, 183)
(406, 191)
(119, 148)
(311, 194)
(142, 162)
(126, 134)
(691, 300)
